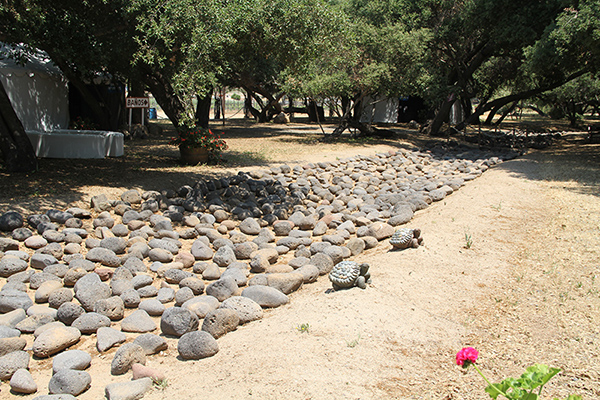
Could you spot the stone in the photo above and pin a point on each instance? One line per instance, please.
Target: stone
(107, 337)
(11, 265)
(197, 345)
(35, 242)
(176, 321)
(10, 344)
(36, 280)
(69, 312)
(160, 255)
(43, 292)
(224, 256)
(112, 307)
(380, 230)
(12, 318)
(356, 246)
(11, 299)
(323, 262)
(131, 298)
(250, 226)
(222, 289)
(11, 220)
(211, 272)
(266, 296)
(129, 390)
(69, 381)
(140, 371)
(139, 322)
(21, 234)
(152, 306)
(104, 256)
(201, 305)
(22, 382)
(195, 284)
(8, 244)
(151, 343)
(41, 261)
(60, 296)
(116, 244)
(132, 196)
(90, 322)
(247, 309)
(125, 357)
(220, 321)
(31, 323)
(12, 362)
(71, 359)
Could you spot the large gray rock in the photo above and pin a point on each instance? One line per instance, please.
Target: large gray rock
(176, 321)
(11, 265)
(129, 390)
(107, 337)
(246, 308)
(22, 382)
(89, 323)
(10, 344)
(12, 318)
(71, 359)
(116, 244)
(8, 244)
(88, 295)
(222, 289)
(31, 323)
(265, 296)
(151, 343)
(69, 312)
(125, 357)
(11, 362)
(139, 322)
(201, 305)
(11, 299)
(69, 381)
(220, 321)
(224, 256)
(53, 340)
(284, 282)
(7, 332)
(104, 256)
(113, 308)
(197, 345)
(309, 272)
(153, 307)
(11, 220)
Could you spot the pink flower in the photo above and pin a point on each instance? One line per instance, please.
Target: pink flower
(466, 357)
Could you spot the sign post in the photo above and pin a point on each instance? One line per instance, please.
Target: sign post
(137, 102)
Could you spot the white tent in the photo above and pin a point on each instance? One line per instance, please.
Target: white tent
(37, 90)
(380, 109)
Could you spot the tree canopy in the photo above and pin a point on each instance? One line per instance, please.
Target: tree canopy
(497, 51)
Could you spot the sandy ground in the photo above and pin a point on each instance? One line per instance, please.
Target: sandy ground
(509, 266)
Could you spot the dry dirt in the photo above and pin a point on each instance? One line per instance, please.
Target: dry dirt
(525, 292)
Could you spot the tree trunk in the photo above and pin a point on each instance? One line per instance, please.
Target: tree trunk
(136, 89)
(203, 109)
(16, 148)
(164, 94)
(441, 116)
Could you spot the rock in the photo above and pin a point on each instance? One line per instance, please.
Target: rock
(30, 324)
(197, 345)
(21, 234)
(249, 226)
(69, 312)
(10, 344)
(71, 359)
(90, 322)
(113, 308)
(12, 318)
(380, 230)
(195, 284)
(201, 305)
(222, 288)
(265, 296)
(104, 256)
(284, 282)
(69, 381)
(176, 321)
(11, 299)
(323, 262)
(246, 308)
(126, 356)
(59, 297)
(12, 362)
(132, 196)
(35, 242)
(211, 273)
(41, 261)
(43, 292)
(140, 371)
(11, 265)
(131, 298)
(8, 244)
(11, 220)
(309, 272)
(130, 390)
(116, 244)
(88, 295)
(22, 382)
(224, 256)
(153, 307)
(151, 343)
(160, 255)
(6, 332)
(139, 321)
(108, 337)
(220, 321)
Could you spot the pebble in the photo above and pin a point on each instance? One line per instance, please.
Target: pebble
(22, 382)
(176, 321)
(125, 357)
(129, 390)
(69, 381)
(107, 337)
(139, 322)
(71, 359)
(197, 345)
(11, 362)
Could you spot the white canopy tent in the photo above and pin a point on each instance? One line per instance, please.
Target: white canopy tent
(39, 94)
(37, 90)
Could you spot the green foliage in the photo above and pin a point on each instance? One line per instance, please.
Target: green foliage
(303, 328)
(534, 377)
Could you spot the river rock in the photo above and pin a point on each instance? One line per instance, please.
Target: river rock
(129, 390)
(197, 345)
(151, 343)
(12, 362)
(265, 296)
(222, 289)
(90, 322)
(176, 321)
(11, 299)
(10, 344)
(108, 337)
(139, 322)
(246, 308)
(22, 382)
(220, 321)
(69, 381)
(71, 359)
(125, 357)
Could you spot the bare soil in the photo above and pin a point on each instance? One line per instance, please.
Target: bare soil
(509, 266)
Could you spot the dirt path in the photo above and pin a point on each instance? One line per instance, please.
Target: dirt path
(525, 291)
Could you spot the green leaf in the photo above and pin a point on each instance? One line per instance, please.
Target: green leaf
(537, 375)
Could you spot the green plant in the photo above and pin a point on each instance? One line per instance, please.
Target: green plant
(236, 97)
(161, 384)
(196, 137)
(533, 379)
(354, 343)
(303, 327)
(468, 240)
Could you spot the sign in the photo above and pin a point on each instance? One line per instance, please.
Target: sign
(137, 102)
